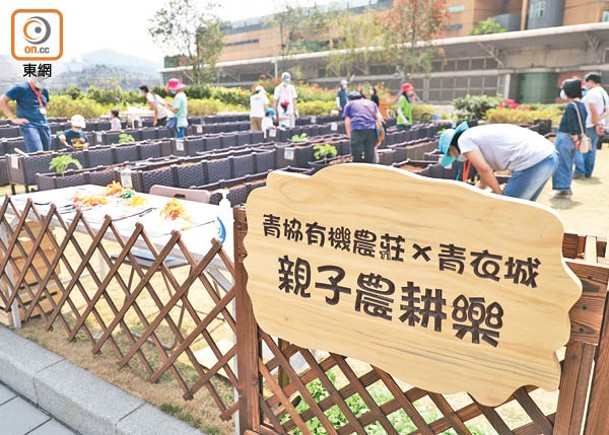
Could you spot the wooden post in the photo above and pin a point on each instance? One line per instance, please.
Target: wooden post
(598, 418)
(524, 13)
(248, 345)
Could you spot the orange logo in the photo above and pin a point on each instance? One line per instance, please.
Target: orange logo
(37, 34)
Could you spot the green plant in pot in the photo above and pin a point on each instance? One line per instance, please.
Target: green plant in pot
(324, 152)
(299, 138)
(61, 163)
(125, 138)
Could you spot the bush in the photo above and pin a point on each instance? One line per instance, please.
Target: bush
(195, 91)
(474, 107)
(65, 106)
(113, 96)
(198, 92)
(308, 92)
(523, 115)
(203, 107)
(159, 90)
(420, 111)
(235, 96)
(74, 92)
(316, 107)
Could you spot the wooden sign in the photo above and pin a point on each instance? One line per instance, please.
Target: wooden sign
(444, 286)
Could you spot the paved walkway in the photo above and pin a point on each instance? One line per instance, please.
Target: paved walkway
(19, 417)
(38, 379)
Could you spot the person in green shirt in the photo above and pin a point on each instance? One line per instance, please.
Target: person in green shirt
(405, 101)
(175, 87)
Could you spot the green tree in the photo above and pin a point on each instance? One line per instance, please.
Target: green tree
(185, 30)
(287, 20)
(487, 27)
(352, 41)
(74, 92)
(408, 30)
(300, 29)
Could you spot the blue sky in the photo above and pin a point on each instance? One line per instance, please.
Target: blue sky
(118, 24)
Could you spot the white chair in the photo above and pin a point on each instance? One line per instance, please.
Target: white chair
(194, 195)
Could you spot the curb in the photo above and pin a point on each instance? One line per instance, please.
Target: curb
(76, 397)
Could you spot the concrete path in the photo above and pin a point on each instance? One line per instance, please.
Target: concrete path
(19, 417)
(85, 403)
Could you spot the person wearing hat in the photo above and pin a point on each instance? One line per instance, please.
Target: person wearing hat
(259, 103)
(32, 99)
(361, 117)
(530, 157)
(175, 87)
(284, 99)
(568, 138)
(75, 138)
(597, 105)
(341, 96)
(267, 123)
(405, 101)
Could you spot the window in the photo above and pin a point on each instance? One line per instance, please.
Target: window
(537, 9)
(247, 41)
(454, 9)
(453, 27)
(605, 16)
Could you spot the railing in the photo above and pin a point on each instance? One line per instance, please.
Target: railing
(74, 274)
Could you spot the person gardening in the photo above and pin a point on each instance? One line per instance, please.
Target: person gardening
(284, 98)
(175, 88)
(405, 102)
(341, 96)
(160, 113)
(259, 104)
(75, 138)
(530, 157)
(32, 100)
(361, 117)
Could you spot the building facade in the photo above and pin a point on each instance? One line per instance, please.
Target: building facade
(547, 41)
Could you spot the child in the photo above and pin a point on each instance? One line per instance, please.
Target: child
(267, 123)
(115, 122)
(74, 138)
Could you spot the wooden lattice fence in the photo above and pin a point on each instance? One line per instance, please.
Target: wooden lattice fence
(281, 388)
(284, 390)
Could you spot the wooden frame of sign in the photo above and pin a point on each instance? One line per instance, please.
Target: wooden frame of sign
(444, 286)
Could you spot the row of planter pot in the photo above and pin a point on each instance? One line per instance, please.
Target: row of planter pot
(155, 164)
(99, 176)
(216, 123)
(207, 167)
(23, 168)
(240, 188)
(212, 166)
(185, 171)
